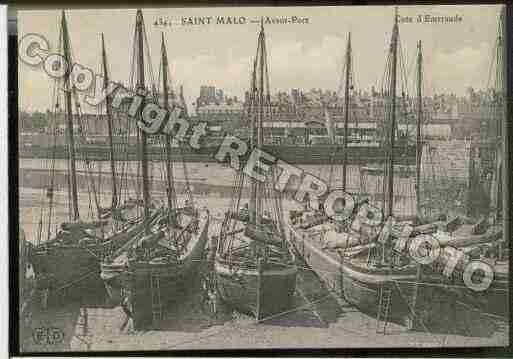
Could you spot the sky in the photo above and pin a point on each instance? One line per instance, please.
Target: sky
(308, 55)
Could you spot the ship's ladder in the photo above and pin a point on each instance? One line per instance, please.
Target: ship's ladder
(156, 304)
(385, 302)
(374, 256)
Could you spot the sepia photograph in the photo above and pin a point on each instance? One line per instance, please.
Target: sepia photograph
(205, 178)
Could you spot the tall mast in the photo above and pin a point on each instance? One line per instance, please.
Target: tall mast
(253, 126)
(108, 109)
(504, 144)
(259, 84)
(346, 118)
(260, 119)
(499, 114)
(69, 120)
(392, 93)
(419, 124)
(139, 34)
(169, 166)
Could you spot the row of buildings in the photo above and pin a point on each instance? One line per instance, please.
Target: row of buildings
(366, 105)
(446, 115)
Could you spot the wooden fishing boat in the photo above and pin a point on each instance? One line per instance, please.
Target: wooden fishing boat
(392, 294)
(357, 274)
(416, 294)
(360, 262)
(254, 270)
(156, 273)
(377, 285)
(114, 263)
(115, 266)
(69, 258)
(152, 269)
(262, 286)
(72, 261)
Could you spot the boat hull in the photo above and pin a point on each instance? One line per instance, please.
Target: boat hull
(494, 300)
(66, 269)
(76, 267)
(264, 294)
(362, 288)
(139, 279)
(360, 285)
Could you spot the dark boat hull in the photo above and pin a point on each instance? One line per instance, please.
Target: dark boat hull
(360, 285)
(494, 300)
(263, 294)
(172, 279)
(74, 268)
(110, 272)
(66, 269)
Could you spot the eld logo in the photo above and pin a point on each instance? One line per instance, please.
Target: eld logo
(46, 335)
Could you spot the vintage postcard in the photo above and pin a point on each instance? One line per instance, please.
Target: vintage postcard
(262, 177)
